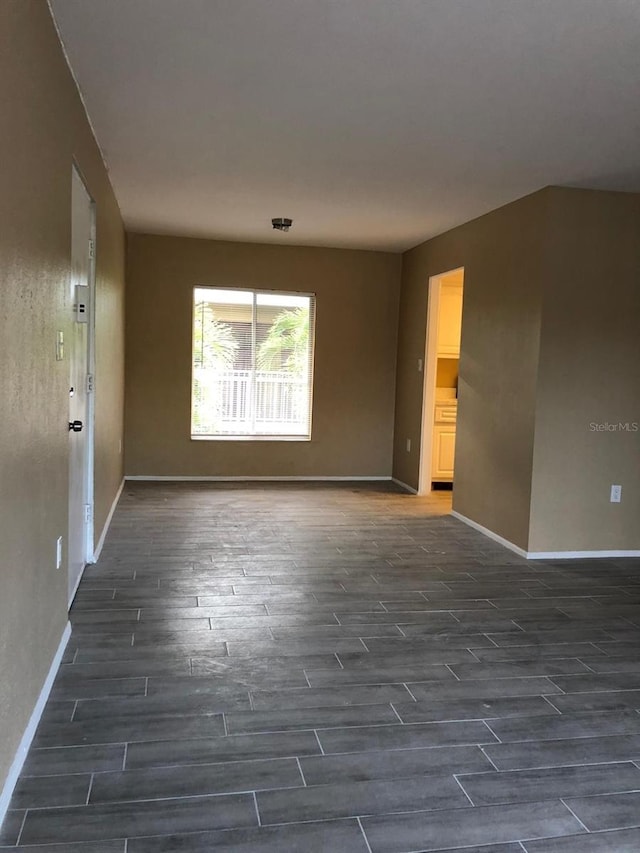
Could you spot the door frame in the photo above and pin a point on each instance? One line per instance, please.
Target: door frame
(429, 380)
(89, 468)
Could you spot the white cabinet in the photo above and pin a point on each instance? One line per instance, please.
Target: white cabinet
(444, 440)
(449, 320)
(444, 445)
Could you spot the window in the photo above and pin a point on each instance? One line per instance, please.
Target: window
(252, 364)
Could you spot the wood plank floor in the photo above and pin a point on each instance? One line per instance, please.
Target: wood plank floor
(334, 668)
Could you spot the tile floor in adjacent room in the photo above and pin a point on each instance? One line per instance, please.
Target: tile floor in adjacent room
(341, 668)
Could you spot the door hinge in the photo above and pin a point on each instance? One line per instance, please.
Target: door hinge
(90, 383)
(92, 249)
(87, 513)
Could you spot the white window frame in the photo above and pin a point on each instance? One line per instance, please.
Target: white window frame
(312, 329)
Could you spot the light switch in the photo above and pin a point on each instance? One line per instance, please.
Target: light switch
(59, 346)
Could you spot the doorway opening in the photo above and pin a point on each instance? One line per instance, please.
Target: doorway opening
(441, 371)
(81, 383)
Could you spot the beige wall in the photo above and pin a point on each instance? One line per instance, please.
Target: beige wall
(44, 128)
(355, 345)
(502, 254)
(589, 373)
(550, 346)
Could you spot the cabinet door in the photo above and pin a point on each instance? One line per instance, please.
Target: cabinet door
(444, 445)
(449, 320)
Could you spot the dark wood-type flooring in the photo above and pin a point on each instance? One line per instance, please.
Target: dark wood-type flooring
(334, 668)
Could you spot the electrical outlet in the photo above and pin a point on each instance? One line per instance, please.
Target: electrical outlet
(408, 445)
(58, 552)
(419, 365)
(616, 494)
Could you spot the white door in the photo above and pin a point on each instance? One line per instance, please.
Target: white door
(78, 349)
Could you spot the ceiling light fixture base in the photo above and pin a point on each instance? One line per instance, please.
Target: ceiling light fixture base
(281, 223)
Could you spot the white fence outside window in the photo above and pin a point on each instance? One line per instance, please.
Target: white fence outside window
(226, 402)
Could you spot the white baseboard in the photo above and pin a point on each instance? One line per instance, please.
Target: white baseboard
(543, 555)
(578, 555)
(75, 589)
(107, 524)
(490, 534)
(404, 486)
(32, 725)
(198, 479)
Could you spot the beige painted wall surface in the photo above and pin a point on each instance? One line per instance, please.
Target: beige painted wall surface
(589, 374)
(503, 254)
(44, 127)
(355, 347)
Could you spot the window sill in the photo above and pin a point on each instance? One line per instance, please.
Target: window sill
(250, 438)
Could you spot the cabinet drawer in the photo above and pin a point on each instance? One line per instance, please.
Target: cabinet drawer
(445, 413)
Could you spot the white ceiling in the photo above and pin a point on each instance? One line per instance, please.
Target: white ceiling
(372, 123)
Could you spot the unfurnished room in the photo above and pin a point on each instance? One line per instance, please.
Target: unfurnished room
(320, 426)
